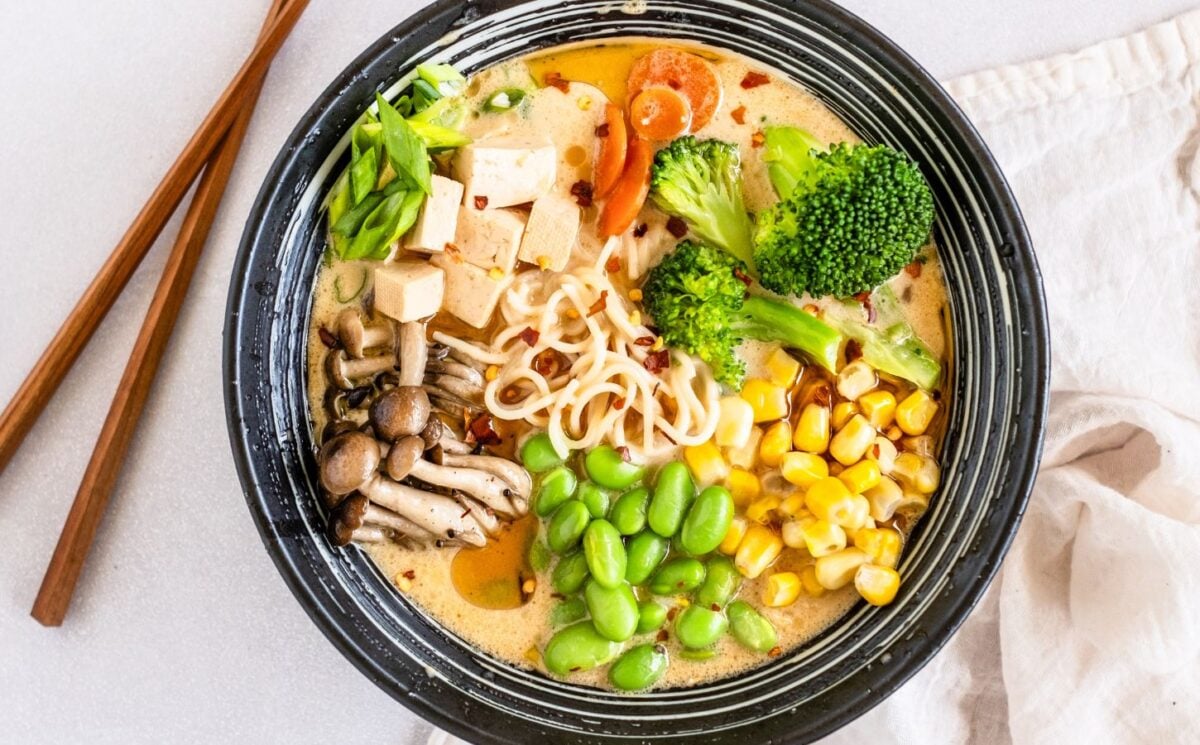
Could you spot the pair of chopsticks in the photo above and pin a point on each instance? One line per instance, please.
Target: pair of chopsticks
(214, 147)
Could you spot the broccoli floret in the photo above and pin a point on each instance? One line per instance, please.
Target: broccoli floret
(701, 182)
(699, 304)
(857, 214)
(890, 344)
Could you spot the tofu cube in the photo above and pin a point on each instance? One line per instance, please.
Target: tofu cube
(504, 171)
(551, 232)
(489, 238)
(438, 219)
(471, 292)
(409, 290)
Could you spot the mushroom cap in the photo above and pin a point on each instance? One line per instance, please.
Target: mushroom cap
(400, 412)
(348, 461)
(350, 331)
(432, 433)
(403, 456)
(333, 367)
(336, 427)
(347, 518)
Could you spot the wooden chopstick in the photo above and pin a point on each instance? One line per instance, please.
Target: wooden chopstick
(62, 574)
(43, 380)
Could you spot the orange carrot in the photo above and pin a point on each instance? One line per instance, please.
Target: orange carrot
(660, 113)
(631, 190)
(690, 75)
(611, 158)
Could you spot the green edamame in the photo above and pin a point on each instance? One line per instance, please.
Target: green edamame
(677, 576)
(639, 668)
(698, 627)
(567, 526)
(605, 553)
(539, 556)
(556, 488)
(578, 647)
(538, 455)
(568, 611)
(645, 551)
(628, 514)
(570, 573)
(673, 494)
(721, 582)
(607, 468)
(651, 617)
(750, 628)
(707, 521)
(595, 498)
(614, 610)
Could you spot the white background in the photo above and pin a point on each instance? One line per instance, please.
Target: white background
(182, 630)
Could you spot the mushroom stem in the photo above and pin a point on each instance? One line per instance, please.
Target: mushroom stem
(368, 534)
(516, 478)
(413, 353)
(441, 516)
(451, 444)
(486, 518)
(458, 387)
(383, 518)
(458, 370)
(344, 372)
(485, 487)
(450, 398)
(356, 337)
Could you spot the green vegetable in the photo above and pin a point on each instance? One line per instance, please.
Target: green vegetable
(698, 655)
(366, 146)
(605, 552)
(607, 468)
(651, 616)
(750, 628)
(538, 455)
(595, 498)
(568, 611)
(388, 221)
(340, 294)
(677, 576)
(444, 78)
(645, 552)
(890, 344)
(628, 515)
(405, 149)
(578, 647)
(673, 494)
(707, 521)
(556, 487)
(567, 526)
(701, 181)
(539, 555)
(854, 216)
(614, 610)
(721, 582)
(697, 627)
(639, 668)
(570, 573)
(503, 100)
(700, 306)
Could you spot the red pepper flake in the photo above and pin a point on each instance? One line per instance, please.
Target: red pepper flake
(466, 512)
(619, 404)
(714, 607)
(454, 254)
(853, 350)
(624, 453)
(613, 265)
(742, 276)
(914, 269)
(529, 336)
(757, 139)
(775, 652)
(640, 230)
(644, 341)
(481, 202)
(327, 337)
(600, 304)
(754, 79)
(555, 80)
(482, 431)
(739, 114)
(674, 84)
(656, 362)
(662, 635)
(583, 193)
(672, 613)
(410, 574)
(822, 396)
(867, 304)
(602, 130)
(677, 227)
(547, 363)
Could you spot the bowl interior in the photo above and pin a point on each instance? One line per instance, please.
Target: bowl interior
(996, 412)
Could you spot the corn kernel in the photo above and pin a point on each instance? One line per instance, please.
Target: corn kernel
(533, 656)
(883, 452)
(921, 445)
(850, 444)
(881, 544)
(707, 463)
(856, 379)
(761, 510)
(584, 103)
(759, 548)
(914, 413)
(793, 505)
(635, 318)
(822, 538)
(781, 590)
(746, 455)
(573, 314)
(803, 469)
(861, 476)
(808, 578)
(496, 273)
(744, 486)
(635, 295)
(657, 345)
(543, 262)
(843, 413)
(734, 422)
(491, 373)
(403, 583)
(793, 535)
(769, 401)
(877, 585)
(914, 501)
(733, 537)
(893, 433)
(812, 429)
(836, 570)
(835, 468)
(917, 472)
(825, 497)
(879, 407)
(884, 497)
(776, 441)
(782, 368)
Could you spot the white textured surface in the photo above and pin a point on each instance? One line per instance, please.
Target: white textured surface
(182, 630)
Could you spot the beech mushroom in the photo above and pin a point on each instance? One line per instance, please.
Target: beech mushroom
(347, 521)
(413, 352)
(432, 433)
(357, 337)
(516, 477)
(404, 460)
(347, 461)
(456, 369)
(400, 412)
(451, 444)
(344, 372)
(457, 389)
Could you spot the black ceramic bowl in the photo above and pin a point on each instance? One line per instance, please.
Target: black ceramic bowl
(996, 410)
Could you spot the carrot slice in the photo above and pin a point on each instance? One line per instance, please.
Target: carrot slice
(631, 190)
(611, 158)
(660, 113)
(687, 73)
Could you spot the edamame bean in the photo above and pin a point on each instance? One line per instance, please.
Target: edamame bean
(639, 668)
(646, 551)
(677, 576)
(567, 526)
(607, 468)
(539, 555)
(651, 617)
(697, 627)
(673, 493)
(628, 514)
(707, 521)
(538, 455)
(578, 647)
(568, 611)
(595, 498)
(750, 628)
(555, 489)
(570, 573)
(721, 582)
(605, 553)
(614, 610)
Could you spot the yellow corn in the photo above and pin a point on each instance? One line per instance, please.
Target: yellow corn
(776, 441)
(733, 536)
(759, 548)
(836, 570)
(744, 486)
(884, 498)
(877, 585)
(850, 444)
(706, 462)
(803, 469)
(918, 472)
(822, 538)
(883, 452)
(782, 368)
(793, 505)
(861, 476)
(808, 578)
(829, 500)
(914, 413)
(746, 455)
(856, 379)
(881, 544)
(781, 590)
(921, 445)
(635, 295)
(769, 401)
(879, 407)
(893, 433)
(843, 413)
(734, 422)
(812, 429)
(793, 535)
(762, 509)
